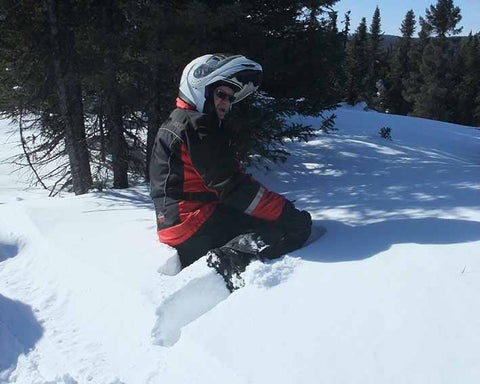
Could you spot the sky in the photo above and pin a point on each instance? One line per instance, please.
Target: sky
(392, 13)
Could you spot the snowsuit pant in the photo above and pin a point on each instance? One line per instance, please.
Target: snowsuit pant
(251, 237)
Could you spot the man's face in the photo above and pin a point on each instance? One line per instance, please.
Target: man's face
(222, 99)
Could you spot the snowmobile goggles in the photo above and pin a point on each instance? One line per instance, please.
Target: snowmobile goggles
(224, 96)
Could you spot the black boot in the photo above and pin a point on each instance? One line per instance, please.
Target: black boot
(229, 263)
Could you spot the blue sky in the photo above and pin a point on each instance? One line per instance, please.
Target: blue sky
(392, 12)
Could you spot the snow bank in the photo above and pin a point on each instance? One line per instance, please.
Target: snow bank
(389, 294)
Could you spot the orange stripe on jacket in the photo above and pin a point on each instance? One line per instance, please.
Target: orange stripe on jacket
(192, 213)
(270, 205)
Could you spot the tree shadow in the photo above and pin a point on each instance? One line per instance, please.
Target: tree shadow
(130, 198)
(347, 243)
(369, 177)
(19, 332)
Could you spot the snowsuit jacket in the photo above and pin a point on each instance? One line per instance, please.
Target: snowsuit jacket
(193, 169)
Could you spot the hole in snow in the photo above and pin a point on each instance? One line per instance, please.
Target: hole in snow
(8, 250)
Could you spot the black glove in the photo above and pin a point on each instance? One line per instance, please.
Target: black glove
(296, 224)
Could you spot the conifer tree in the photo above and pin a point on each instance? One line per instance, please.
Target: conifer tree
(467, 66)
(129, 59)
(301, 51)
(400, 68)
(41, 91)
(476, 112)
(443, 18)
(346, 29)
(435, 99)
(110, 38)
(373, 56)
(335, 43)
(357, 65)
(157, 61)
(60, 17)
(414, 80)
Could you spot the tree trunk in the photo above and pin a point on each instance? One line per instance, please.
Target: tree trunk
(113, 103)
(69, 92)
(155, 114)
(118, 144)
(153, 125)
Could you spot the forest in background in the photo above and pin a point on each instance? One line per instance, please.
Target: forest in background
(88, 83)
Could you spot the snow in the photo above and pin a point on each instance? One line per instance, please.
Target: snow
(388, 295)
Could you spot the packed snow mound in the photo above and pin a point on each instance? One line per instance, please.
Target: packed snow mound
(200, 290)
(270, 273)
(389, 295)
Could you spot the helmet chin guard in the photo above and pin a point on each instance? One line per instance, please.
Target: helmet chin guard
(236, 71)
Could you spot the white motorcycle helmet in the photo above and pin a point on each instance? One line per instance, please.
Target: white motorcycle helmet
(236, 71)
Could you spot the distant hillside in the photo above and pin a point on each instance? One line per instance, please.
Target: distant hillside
(389, 40)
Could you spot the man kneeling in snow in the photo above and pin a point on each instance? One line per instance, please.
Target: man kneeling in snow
(204, 204)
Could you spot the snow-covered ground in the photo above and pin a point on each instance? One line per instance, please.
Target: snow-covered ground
(389, 295)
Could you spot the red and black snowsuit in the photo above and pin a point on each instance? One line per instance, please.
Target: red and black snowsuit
(203, 200)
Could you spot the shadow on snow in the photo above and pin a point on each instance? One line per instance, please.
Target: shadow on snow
(121, 199)
(7, 251)
(19, 332)
(370, 179)
(346, 243)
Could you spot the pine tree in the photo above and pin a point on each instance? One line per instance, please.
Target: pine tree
(335, 48)
(346, 29)
(111, 35)
(158, 61)
(467, 66)
(476, 112)
(435, 99)
(60, 16)
(300, 47)
(443, 18)
(414, 80)
(128, 61)
(357, 65)
(373, 56)
(41, 91)
(400, 68)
